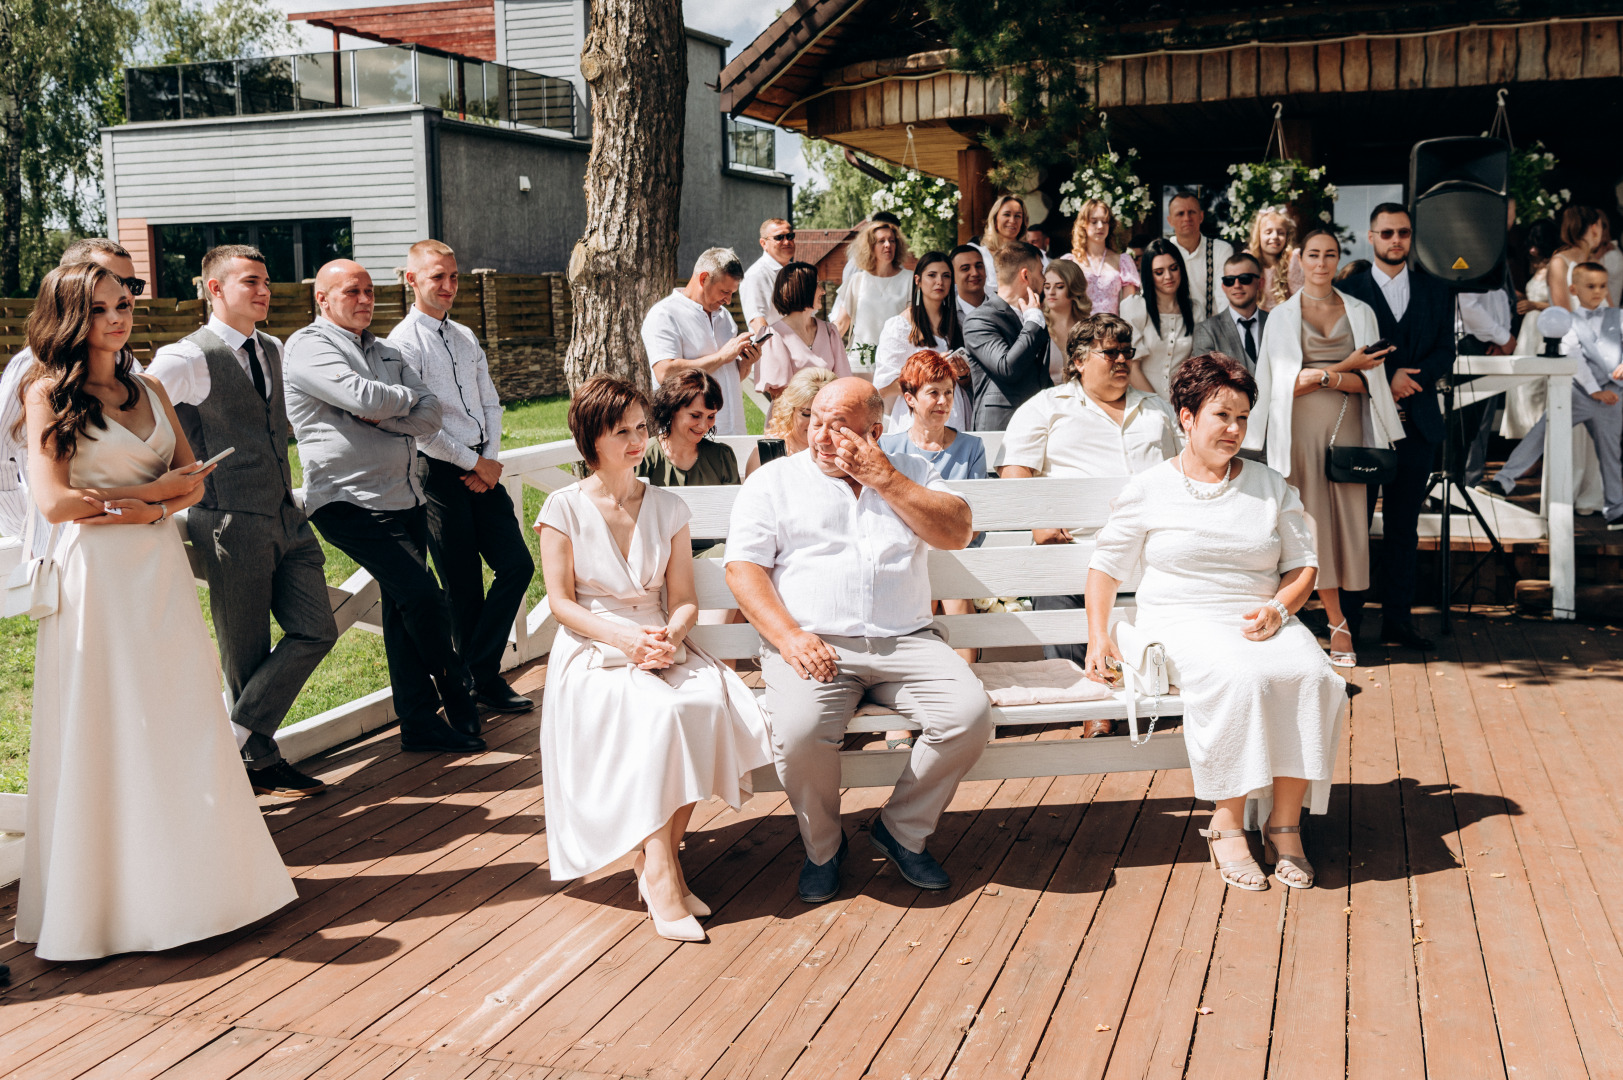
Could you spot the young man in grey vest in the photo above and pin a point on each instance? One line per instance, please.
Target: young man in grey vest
(471, 520)
(259, 555)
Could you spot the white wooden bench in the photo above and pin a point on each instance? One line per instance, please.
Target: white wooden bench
(998, 505)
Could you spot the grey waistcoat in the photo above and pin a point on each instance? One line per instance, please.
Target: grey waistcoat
(257, 478)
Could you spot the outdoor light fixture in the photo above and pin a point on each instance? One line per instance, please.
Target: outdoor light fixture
(524, 183)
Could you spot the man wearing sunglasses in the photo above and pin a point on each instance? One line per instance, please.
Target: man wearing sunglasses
(1416, 314)
(1236, 332)
(755, 293)
(15, 505)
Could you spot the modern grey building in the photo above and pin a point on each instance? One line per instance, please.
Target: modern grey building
(362, 152)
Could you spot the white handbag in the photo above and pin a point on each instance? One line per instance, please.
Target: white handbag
(32, 587)
(1146, 671)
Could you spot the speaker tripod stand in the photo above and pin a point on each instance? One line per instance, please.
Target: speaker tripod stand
(1452, 478)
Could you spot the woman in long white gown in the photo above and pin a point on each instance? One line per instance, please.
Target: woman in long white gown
(1228, 559)
(142, 832)
(638, 725)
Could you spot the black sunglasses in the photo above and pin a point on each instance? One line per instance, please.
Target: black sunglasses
(1120, 352)
(781, 237)
(1239, 279)
(1387, 234)
(136, 285)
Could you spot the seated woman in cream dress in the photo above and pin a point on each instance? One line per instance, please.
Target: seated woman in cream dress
(638, 726)
(1312, 393)
(1228, 560)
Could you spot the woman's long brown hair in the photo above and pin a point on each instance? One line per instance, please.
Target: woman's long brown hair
(59, 335)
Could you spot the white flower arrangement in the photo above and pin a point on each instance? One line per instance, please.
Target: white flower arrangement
(927, 205)
(995, 604)
(1257, 185)
(1534, 202)
(1110, 179)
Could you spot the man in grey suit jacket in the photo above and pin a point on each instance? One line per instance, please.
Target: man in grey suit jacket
(1007, 339)
(1236, 331)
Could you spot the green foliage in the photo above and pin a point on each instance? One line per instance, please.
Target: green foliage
(1040, 48)
(185, 32)
(1111, 178)
(1534, 202)
(847, 195)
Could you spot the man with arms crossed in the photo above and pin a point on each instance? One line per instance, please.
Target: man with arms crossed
(1203, 257)
(692, 328)
(827, 555)
(15, 505)
(470, 515)
(259, 555)
(358, 409)
(755, 295)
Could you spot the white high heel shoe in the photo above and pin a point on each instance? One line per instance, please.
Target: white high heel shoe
(686, 928)
(1342, 659)
(695, 906)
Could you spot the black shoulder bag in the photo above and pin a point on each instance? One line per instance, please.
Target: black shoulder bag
(1357, 464)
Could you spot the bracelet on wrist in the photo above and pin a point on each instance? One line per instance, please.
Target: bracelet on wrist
(1284, 612)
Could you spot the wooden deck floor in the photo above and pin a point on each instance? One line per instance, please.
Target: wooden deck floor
(1467, 924)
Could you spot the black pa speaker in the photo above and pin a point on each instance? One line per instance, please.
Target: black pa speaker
(1458, 188)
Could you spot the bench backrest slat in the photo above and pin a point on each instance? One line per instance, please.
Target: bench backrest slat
(1003, 630)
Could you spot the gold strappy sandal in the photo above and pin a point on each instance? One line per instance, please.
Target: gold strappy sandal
(1271, 854)
(1229, 871)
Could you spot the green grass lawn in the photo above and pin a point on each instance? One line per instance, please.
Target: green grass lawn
(355, 666)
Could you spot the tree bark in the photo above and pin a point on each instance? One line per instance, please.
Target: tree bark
(635, 61)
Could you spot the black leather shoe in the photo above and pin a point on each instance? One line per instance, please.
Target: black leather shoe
(918, 867)
(503, 698)
(284, 780)
(433, 735)
(1404, 634)
(5, 975)
(820, 883)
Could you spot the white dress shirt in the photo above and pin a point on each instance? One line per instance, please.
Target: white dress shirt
(1485, 316)
(184, 370)
(1395, 288)
(844, 564)
(755, 291)
(1063, 432)
(453, 365)
(678, 328)
(964, 308)
(1194, 268)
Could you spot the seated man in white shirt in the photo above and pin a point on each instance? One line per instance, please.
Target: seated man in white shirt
(1092, 425)
(692, 328)
(755, 295)
(826, 553)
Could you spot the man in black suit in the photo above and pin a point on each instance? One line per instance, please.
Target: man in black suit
(1007, 339)
(1416, 314)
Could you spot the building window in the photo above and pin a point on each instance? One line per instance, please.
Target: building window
(293, 250)
(751, 146)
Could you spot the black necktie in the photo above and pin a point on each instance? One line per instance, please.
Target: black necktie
(253, 366)
(1250, 340)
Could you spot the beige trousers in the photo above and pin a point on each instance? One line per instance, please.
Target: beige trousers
(919, 677)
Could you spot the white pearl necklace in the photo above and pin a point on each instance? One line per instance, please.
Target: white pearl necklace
(1204, 496)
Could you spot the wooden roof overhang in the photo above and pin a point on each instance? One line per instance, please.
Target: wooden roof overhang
(464, 27)
(869, 105)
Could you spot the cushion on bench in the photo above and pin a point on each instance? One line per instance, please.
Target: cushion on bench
(1025, 682)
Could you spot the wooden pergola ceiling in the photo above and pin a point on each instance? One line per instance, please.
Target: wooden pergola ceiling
(868, 106)
(464, 27)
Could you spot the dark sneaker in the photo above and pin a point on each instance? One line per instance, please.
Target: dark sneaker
(919, 868)
(433, 735)
(503, 698)
(1614, 524)
(284, 780)
(1494, 489)
(822, 883)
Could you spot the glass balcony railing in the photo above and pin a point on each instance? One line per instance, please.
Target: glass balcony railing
(354, 79)
(751, 146)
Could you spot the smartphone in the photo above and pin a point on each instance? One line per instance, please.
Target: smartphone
(217, 458)
(771, 449)
(1377, 347)
(760, 335)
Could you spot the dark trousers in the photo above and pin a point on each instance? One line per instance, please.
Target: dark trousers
(1401, 502)
(259, 566)
(1078, 653)
(392, 546)
(466, 528)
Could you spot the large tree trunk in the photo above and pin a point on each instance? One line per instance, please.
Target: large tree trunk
(635, 61)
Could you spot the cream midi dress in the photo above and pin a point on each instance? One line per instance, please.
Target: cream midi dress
(142, 829)
(1253, 710)
(623, 749)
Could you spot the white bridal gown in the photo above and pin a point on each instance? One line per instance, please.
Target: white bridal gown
(1253, 710)
(623, 749)
(142, 829)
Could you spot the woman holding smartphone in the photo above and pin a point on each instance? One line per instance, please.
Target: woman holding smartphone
(142, 831)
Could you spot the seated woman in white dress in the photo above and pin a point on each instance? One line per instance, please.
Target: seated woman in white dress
(142, 832)
(638, 726)
(1228, 559)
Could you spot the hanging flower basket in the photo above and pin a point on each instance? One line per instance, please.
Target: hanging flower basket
(1258, 185)
(1534, 202)
(927, 207)
(1111, 179)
